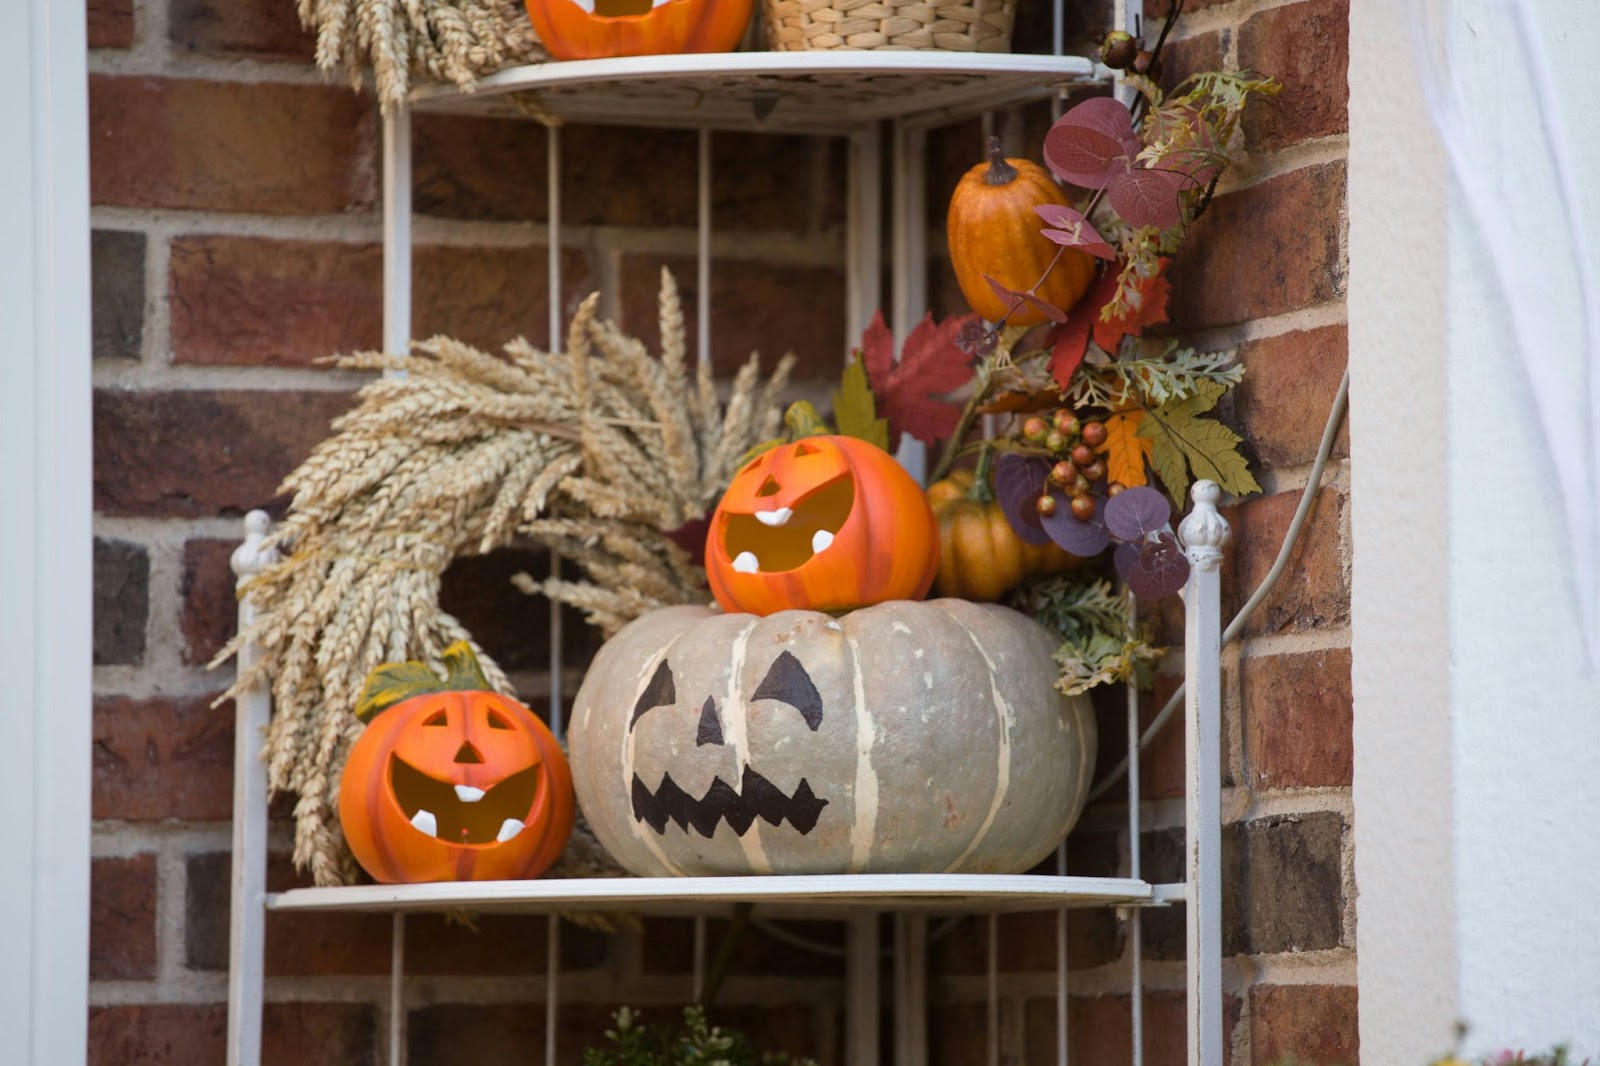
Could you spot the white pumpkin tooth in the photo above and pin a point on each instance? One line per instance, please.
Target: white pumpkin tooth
(468, 794)
(820, 540)
(508, 829)
(425, 822)
(747, 563)
(658, 3)
(587, 5)
(775, 518)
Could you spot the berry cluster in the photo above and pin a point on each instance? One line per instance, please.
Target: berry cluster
(1071, 442)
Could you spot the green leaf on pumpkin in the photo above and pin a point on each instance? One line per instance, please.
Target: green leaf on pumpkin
(856, 409)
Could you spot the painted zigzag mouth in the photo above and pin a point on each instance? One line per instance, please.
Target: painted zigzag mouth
(722, 802)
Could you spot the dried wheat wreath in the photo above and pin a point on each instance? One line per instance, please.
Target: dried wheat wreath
(592, 452)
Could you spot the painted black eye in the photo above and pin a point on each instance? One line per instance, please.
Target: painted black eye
(660, 692)
(788, 682)
(436, 718)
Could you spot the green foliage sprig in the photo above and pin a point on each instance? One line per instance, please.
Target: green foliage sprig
(694, 1043)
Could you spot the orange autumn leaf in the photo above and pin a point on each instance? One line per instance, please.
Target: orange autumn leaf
(1125, 451)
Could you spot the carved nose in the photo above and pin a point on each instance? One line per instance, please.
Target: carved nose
(710, 730)
(468, 753)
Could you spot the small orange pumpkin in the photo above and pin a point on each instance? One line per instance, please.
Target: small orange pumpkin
(980, 555)
(597, 29)
(992, 229)
(827, 523)
(451, 781)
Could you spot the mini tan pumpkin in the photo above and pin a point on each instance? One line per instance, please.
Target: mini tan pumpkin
(905, 737)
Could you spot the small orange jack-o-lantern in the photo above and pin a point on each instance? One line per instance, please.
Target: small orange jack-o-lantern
(596, 29)
(827, 523)
(451, 781)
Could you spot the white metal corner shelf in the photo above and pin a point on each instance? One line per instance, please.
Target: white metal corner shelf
(818, 896)
(858, 95)
(792, 92)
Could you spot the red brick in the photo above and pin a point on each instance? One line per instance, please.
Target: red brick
(1297, 713)
(110, 23)
(255, 29)
(1305, 46)
(494, 169)
(261, 147)
(1314, 589)
(1192, 55)
(668, 948)
(163, 757)
(210, 605)
(499, 945)
(196, 453)
(1099, 1029)
(182, 1034)
(453, 1034)
(1282, 404)
(488, 296)
(122, 917)
(116, 271)
(1264, 250)
(244, 301)
(1308, 1023)
(755, 306)
(121, 601)
(958, 1033)
(247, 301)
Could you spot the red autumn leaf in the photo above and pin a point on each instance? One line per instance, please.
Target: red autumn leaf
(1149, 197)
(1087, 145)
(930, 365)
(1069, 227)
(1070, 343)
(1152, 309)
(1049, 310)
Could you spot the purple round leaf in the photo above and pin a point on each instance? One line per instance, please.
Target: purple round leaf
(1018, 483)
(1124, 557)
(1089, 144)
(1083, 539)
(1160, 569)
(1134, 512)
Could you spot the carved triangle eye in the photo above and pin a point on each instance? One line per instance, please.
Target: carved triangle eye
(660, 692)
(788, 682)
(710, 728)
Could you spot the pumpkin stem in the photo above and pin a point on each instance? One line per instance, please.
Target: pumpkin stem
(1000, 172)
(804, 421)
(463, 673)
(394, 683)
(981, 490)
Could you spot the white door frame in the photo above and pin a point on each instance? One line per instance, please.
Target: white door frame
(46, 533)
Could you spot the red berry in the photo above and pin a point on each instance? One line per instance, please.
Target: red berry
(1080, 485)
(1063, 473)
(1145, 62)
(1083, 455)
(1035, 429)
(1095, 471)
(1094, 434)
(1047, 505)
(1115, 488)
(1066, 423)
(1083, 508)
(1055, 443)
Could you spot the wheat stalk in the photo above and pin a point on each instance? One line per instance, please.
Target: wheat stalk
(593, 453)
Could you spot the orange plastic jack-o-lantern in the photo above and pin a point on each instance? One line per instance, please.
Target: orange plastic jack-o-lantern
(596, 29)
(451, 781)
(827, 523)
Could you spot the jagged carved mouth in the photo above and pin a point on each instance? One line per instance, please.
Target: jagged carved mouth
(757, 797)
(783, 538)
(461, 814)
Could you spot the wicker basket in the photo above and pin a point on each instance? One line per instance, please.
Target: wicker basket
(953, 25)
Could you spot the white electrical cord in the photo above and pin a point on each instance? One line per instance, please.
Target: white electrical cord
(1330, 433)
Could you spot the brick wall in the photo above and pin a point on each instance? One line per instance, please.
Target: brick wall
(236, 240)
(1265, 273)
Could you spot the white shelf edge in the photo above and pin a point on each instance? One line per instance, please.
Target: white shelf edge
(581, 87)
(954, 893)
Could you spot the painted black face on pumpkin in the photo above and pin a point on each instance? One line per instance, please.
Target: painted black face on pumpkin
(786, 682)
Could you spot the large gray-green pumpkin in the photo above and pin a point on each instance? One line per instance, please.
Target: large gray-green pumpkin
(900, 738)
